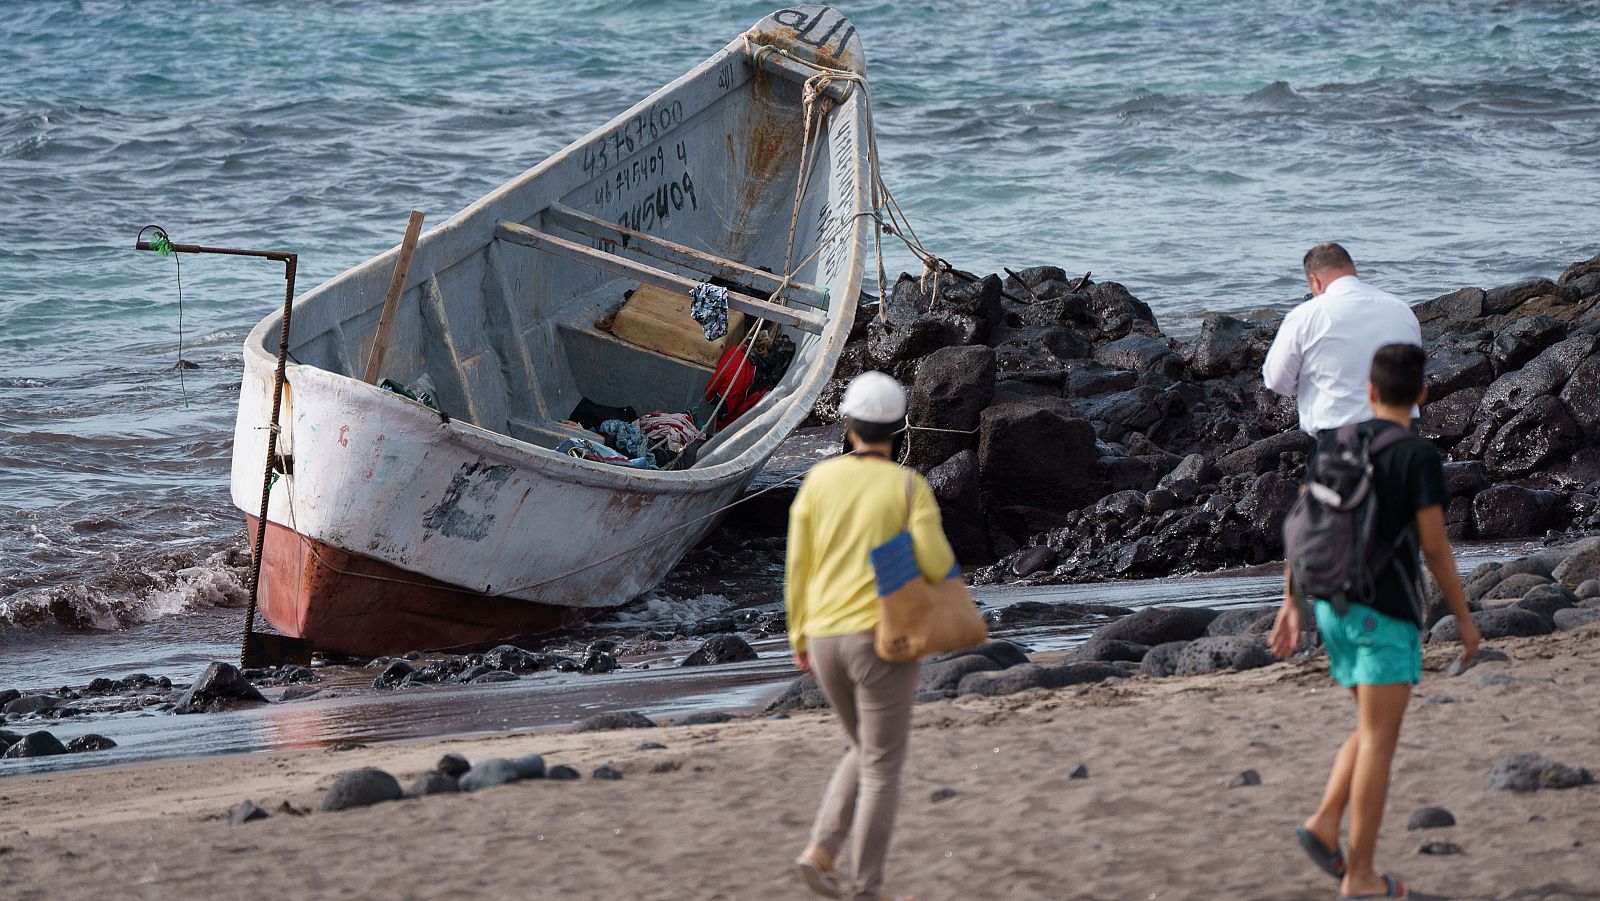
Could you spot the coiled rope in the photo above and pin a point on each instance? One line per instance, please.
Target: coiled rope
(887, 215)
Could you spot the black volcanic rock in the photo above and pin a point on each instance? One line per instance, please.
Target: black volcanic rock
(802, 694)
(1038, 453)
(1263, 455)
(35, 744)
(360, 788)
(1522, 340)
(1512, 511)
(1140, 353)
(1158, 625)
(721, 649)
(953, 386)
(1450, 418)
(218, 688)
(1544, 374)
(1452, 368)
(955, 487)
(90, 742)
(1542, 433)
(1462, 305)
(1532, 772)
(625, 719)
(1162, 660)
(1117, 312)
(1582, 396)
(947, 674)
(1226, 346)
(1109, 650)
(1209, 654)
(1513, 374)
(1508, 297)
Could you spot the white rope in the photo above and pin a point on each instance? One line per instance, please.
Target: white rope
(905, 453)
(882, 199)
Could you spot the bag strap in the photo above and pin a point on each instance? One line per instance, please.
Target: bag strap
(911, 490)
(1408, 540)
(1386, 439)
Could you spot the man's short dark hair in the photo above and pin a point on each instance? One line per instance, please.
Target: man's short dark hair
(874, 432)
(1327, 256)
(1398, 373)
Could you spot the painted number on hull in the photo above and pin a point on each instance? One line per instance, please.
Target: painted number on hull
(632, 136)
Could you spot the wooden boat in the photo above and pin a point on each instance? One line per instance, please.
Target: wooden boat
(395, 527)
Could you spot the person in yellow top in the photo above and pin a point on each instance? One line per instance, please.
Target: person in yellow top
(846, 507)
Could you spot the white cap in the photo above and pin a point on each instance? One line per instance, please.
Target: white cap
(874, 397)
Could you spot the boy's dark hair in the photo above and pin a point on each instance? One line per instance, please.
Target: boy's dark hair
(874, 432)
(1326, 256)
(1398, 373)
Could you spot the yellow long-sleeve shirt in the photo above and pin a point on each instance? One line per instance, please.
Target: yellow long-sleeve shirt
(845, 508)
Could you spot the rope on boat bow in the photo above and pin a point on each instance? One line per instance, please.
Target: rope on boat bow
(886, 213)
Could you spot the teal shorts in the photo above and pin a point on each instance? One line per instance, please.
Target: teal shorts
(1366, 647)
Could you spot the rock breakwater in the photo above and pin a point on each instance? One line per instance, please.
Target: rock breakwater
(1068, 438)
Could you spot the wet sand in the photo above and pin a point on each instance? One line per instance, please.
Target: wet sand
(721, 811)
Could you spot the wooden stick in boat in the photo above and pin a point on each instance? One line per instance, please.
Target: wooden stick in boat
(391, 301)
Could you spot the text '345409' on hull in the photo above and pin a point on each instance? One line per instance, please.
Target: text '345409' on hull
(481, 492)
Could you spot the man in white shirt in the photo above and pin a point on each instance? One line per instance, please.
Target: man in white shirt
(1323, 353)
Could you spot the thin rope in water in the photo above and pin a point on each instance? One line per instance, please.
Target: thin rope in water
(162, 245)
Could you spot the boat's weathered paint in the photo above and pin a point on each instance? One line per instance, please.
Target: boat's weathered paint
(466, 518)
(381, 608)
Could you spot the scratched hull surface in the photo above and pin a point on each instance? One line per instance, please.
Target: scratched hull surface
(498, 312)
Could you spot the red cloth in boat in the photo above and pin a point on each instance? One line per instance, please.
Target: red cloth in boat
(732, 381)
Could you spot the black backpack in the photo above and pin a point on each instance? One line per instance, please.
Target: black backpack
(1330, 535)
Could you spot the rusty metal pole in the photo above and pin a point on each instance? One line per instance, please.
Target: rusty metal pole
(249, 655)
(272, 457)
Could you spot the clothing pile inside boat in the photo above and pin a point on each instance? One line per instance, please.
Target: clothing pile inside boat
(747, 372)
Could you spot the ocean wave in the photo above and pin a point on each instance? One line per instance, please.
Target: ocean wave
(129, 594)
(1279, 96)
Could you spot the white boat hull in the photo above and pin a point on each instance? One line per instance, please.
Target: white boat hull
(398, 528)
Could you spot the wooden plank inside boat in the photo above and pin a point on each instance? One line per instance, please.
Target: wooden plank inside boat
(658, 319)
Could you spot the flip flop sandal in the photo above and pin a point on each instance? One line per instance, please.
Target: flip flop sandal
(1392, 889)
(1331, 860)
(820, 881)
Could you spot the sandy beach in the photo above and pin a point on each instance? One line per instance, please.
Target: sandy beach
(722, 809)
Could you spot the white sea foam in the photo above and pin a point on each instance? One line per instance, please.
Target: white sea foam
(130, 594)
(658, 610)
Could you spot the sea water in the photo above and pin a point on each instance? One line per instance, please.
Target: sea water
(1191, 151)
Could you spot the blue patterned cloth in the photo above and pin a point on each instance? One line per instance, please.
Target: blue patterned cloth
(710, 309)
(626, 437)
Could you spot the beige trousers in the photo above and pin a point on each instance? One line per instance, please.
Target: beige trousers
(873, 700)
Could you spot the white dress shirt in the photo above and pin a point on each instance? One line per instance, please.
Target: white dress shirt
(1323, 353)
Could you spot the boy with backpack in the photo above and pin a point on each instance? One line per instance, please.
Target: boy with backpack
(1374, 496)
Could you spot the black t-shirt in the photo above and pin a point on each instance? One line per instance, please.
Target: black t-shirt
(1406, 477)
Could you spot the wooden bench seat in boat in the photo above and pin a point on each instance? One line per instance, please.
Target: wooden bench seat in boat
(807, 320)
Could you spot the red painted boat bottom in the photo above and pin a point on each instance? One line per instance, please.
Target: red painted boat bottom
(345, 603)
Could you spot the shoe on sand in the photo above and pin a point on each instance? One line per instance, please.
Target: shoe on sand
(1331, 860)
(1391, 889)
(820, 881)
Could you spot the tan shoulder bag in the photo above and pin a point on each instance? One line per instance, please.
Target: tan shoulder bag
(918, 617)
